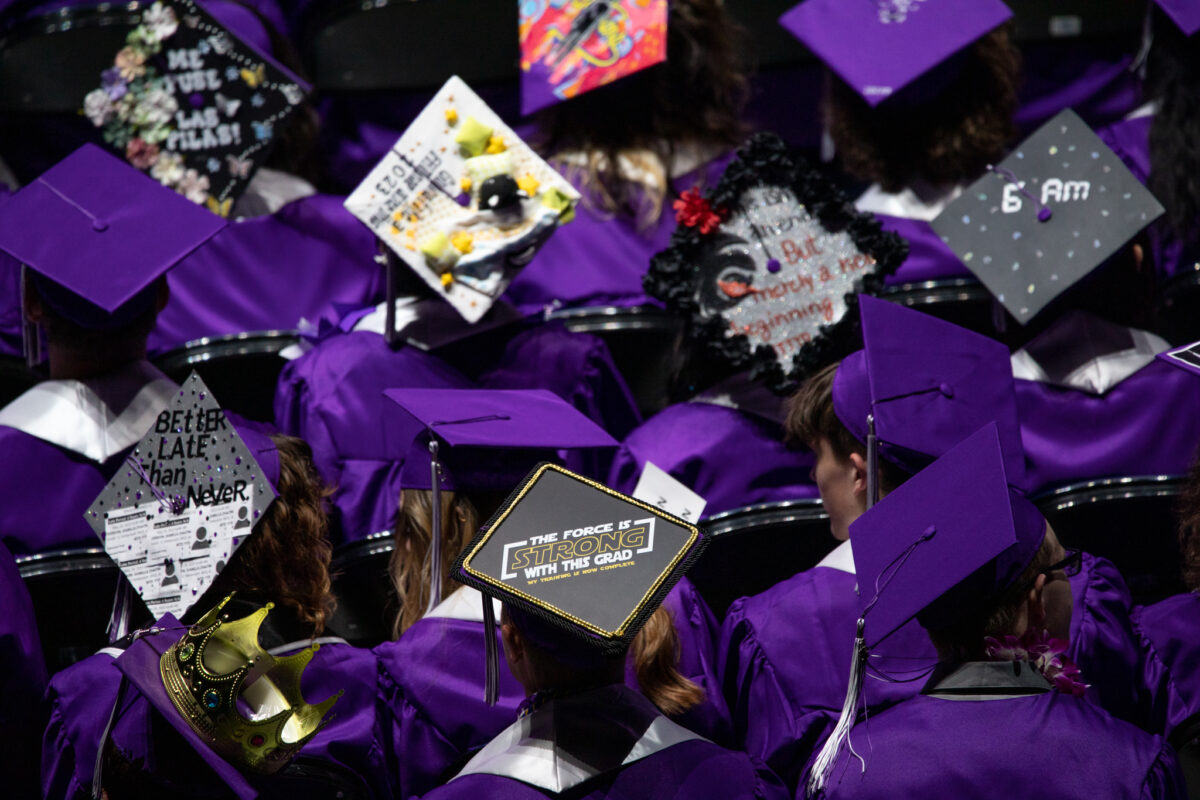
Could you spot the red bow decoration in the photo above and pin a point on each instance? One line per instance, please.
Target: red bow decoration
(696, 212)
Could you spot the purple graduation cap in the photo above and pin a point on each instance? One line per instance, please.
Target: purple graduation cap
(879, 47)
(921, 385)
(493, 439)
(95, 235)
(1184, 13)
(944, 545)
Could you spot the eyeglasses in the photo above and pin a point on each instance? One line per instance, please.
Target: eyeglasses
(1070, 564)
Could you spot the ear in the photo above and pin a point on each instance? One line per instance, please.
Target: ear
(1035, 605)
(514, 644)
(859, 465)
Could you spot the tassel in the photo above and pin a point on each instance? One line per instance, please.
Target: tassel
(491, 691)
(818, 777)
(31, 333)
(872, 462)
(122, 610)
(435, 537)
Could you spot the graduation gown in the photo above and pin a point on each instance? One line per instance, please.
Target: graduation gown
(726, 445)
(22, 681)
(996, 730)
(908, 213)
(1169, 633)
(81, 699)
(606, 742)
(431, 684)
(783, 707)
(62, 441)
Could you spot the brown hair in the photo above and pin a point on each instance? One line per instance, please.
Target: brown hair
(693, 99)
(655, 656)
(287, 558)
(946, 140)
(409, 565)
(1189, 528)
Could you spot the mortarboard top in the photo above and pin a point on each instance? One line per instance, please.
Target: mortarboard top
(482, 428)
(878, 47)
(101, 233)
(1185, 357)
(569, 49)
(1049, 214)
(1184, 13)
(929, 384)
(577, 555)
(945, 543)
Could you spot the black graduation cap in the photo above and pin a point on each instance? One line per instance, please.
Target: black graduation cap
(1051, 212)
(568, 551)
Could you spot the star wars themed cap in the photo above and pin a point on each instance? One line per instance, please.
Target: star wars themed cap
(1046, 216)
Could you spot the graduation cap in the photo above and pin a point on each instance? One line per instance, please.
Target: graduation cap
(185, 498)
(944, 545)
(879, 47)
(492, 439)
(571, 48)
(768, 265)
(1184, 13)
(1185, 357)
(462, 200)
(1046, 216)
(920, 386)
(194, 104)
(577, 559)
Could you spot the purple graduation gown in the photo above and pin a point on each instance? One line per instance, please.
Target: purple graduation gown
(22, 681)
(431, 685)
(1169, 632)
(81, 697)
(783, 707)
(1012, 744)
(729, 456)
(929, 258)
(1077, 74)
(606, 742)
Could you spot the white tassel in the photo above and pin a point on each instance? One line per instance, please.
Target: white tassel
(435, 536)
(818, 777)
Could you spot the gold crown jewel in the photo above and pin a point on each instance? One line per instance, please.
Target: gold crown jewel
(219, 662)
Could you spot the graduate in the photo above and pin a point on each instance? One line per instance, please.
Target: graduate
(96, 239)
(430, 678)
(582, 732)
(116, 725)
(22, 681)
(976, 564)
(918, 102)
(928, 384)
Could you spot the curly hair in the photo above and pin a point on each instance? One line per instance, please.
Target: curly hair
(692, 100)
(1189, 528)
(286, 560)
(1173, 70)
(947, 139)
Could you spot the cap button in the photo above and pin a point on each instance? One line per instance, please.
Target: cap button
(99, 225)
(946, 389)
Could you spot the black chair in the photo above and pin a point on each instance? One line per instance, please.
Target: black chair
(963, 301)
(241, 369)
(1186, 741)
(1178, 307)
(640, 338)
(366, 601)
(1128, 520)
(756, 547)
(15, 378)
(72, 592)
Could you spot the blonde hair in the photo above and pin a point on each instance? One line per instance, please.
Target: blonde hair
(655, 657)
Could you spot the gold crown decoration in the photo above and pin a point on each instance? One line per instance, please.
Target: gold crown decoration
(219, 661)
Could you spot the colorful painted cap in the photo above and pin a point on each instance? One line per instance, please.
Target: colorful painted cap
(574, 554)
(946, 543)
(489, 439)
(1048, 215)
(568, 49)
(186, 497)
(1184, 13)
(879, 47)
(97, 235)
(929, 384)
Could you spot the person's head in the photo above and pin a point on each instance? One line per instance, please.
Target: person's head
(940, 137)
(286, 558)
(1172, 73)
(840, 471)
(691, 101)
(1039, 599)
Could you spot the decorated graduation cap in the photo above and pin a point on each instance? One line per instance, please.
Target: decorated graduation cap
(568, 49)
(187, 495)
(95, 235)
(941, 547)
(1185, 357)
(879, 47)
(492, 439)
(1184, 13)
(1046, 216)
(193, 100)
(462, 200)
(921, 385)
(768, 265)
(582, 560)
